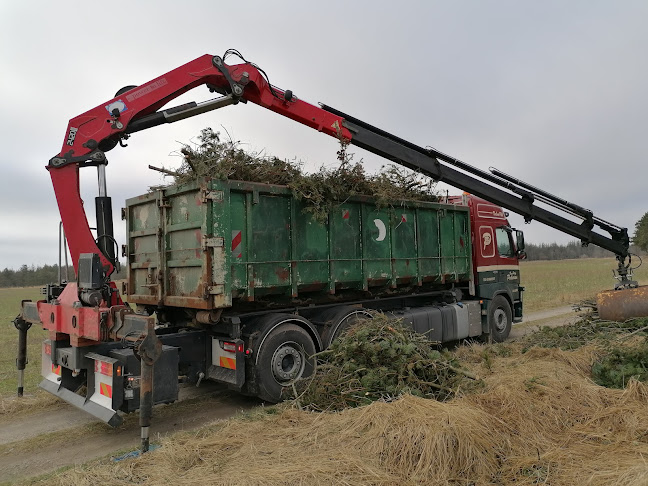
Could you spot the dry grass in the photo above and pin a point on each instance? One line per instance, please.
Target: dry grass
(10, 307)
(539, 420)
(563, 282)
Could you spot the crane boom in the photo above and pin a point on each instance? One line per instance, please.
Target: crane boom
(95, 132)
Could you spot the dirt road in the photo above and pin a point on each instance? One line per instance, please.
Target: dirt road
(559, 316)
(38, 443)
(35, 444)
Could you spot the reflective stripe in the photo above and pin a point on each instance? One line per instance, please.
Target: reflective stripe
(491, 268)
(236, 244)
(105, 390)
(229, 363)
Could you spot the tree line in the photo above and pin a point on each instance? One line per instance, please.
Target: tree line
(573, 249)
(32, 276)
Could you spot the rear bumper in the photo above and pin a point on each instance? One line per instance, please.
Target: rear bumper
(105, 380)
(111, 417)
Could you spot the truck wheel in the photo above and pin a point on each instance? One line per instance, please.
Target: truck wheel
(286, 355)
(499, 318)
(349, 321)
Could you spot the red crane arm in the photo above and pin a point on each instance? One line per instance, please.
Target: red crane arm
(98, 130)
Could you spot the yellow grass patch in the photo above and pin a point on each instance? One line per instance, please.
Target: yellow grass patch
(563, 282)
(539, 420)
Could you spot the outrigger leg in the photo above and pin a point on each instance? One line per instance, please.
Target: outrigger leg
(21, 361)
(148, 350)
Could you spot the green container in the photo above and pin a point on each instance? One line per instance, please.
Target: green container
(211, 245)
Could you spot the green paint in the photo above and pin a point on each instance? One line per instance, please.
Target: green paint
(226, 240)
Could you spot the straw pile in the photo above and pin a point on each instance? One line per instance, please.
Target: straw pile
(321, 191)
(538, 420)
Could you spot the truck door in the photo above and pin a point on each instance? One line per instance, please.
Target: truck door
(509, 275)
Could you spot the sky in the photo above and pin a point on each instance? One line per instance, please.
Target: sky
(552, 92)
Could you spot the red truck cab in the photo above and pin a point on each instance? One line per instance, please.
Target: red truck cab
(497, 249)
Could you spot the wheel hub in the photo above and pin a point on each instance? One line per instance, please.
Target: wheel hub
(499, 316)
(287, 363)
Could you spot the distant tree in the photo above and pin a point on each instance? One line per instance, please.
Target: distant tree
(640, 237)
(36, 275)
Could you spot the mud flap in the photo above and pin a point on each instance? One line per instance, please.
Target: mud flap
(100, 406)
(107, 415)
(228, 366)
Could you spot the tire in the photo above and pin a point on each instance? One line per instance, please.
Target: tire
(349, 321)
(286, 355)
(500, 319)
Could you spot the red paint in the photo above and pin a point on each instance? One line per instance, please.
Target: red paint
(485, 218)
(236, 241)
(60, 318)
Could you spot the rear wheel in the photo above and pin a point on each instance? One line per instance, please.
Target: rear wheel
(500, 318)
(286, 355)
(349, 321)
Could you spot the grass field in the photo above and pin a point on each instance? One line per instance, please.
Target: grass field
(9, 309)
(562, 282)
(548, 284)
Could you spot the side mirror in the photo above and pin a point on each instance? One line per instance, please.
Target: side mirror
(521, 254)
(519, 240)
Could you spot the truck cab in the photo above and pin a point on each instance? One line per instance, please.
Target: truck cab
(497, 249)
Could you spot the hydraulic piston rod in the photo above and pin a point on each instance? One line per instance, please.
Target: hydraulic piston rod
(103, 208)
(177, 113)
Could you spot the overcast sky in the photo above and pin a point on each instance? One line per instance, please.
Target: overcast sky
(553, 92)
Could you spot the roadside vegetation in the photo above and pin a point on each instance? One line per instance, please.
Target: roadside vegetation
(34, 398)
(380, 360)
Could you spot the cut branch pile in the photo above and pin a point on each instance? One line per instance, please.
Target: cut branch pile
(589, 330)
(621, 365)
(382, 359)
(622, 347)
(322, 191)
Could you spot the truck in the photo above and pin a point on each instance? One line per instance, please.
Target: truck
(233, 282)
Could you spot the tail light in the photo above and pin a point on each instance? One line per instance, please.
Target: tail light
(233, 347)
(106, 368)
(48, 349)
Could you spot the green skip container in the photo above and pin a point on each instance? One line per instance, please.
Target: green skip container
(217, 244)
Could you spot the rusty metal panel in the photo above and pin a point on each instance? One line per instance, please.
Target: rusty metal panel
(621, 305)
(345, 248)
(217, 246)
(143, 223)
(187, 272)
(204, 245)
(404, 246)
